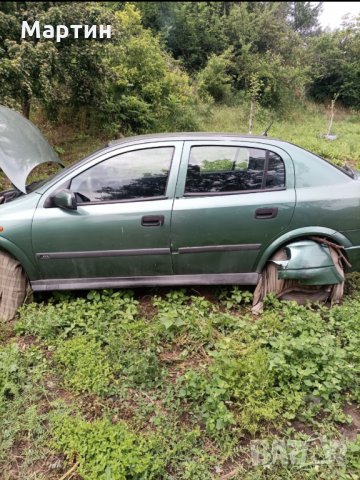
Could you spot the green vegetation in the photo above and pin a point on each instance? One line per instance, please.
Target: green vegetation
(128, 83)
(166, 60)
(124, 386)
(304, 127)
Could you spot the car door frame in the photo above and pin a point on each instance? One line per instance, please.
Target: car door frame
(44, 283)
(188, 144)
(251, 276)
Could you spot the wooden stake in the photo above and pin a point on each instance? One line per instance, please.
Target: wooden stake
(72, 469)
(251, 116)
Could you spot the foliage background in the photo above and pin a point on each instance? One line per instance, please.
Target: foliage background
(167, 62)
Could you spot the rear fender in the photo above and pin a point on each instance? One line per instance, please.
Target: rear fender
(309, 262)
(296, 235)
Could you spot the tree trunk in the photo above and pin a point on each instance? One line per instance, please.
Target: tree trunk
(26, 108)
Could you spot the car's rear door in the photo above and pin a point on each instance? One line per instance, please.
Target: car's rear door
(121, 227)
(232, 198)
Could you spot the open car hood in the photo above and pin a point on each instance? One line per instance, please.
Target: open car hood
(22, 147)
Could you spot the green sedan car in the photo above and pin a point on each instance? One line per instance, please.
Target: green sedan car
(173, 209)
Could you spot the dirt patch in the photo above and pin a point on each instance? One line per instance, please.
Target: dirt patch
(27, 341)
(7, 331)
(54, 390)
(92, 407)
(147, 309)
(177, 365)
(352, 430)
(302, 428)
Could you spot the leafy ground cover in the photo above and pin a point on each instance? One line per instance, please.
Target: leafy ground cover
(180, 384)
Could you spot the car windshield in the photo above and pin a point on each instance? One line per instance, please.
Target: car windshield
(34, 185)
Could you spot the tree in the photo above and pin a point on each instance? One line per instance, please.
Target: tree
(145, 89)
(254, 94)
(66, 72)
(264, 46)
(124, 83)
(215, 79)
(303, 17)
(334, 61)
(26, 66)
(192, 31)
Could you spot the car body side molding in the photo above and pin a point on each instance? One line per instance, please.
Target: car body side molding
(145, 251)
(148, 281)
(220, 248)
(103, 253)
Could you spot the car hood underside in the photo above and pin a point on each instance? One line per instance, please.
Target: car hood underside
(22, 147)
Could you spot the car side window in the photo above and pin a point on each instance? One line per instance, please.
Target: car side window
(132, 175)
(225, 169)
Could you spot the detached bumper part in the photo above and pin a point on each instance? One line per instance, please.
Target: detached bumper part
(303, 271)
(310, 263)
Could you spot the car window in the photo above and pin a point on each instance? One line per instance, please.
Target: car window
(225, 169)
(131, 175)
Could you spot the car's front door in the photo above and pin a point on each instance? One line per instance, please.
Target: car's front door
(232, 198)
(121, 227)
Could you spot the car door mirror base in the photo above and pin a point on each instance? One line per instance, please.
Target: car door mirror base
(65, 199)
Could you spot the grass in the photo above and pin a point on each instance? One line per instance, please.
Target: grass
(305, 127)
(185, 384)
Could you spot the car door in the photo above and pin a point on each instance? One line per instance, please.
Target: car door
(121, 227)
(232, 199)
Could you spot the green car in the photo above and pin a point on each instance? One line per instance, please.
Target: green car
(173, 209)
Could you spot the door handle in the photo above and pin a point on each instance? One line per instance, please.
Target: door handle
(152, 220)
(264, 213)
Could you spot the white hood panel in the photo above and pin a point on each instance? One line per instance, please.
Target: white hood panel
(22, 147)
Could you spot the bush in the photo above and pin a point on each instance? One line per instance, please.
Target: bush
(215, 79)
(145, 89)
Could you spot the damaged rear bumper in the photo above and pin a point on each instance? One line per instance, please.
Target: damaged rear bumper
(310, 263)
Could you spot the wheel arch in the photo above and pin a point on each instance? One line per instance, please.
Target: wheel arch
(28, 266)
(298, 234)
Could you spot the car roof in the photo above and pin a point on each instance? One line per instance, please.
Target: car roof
(192, 136)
